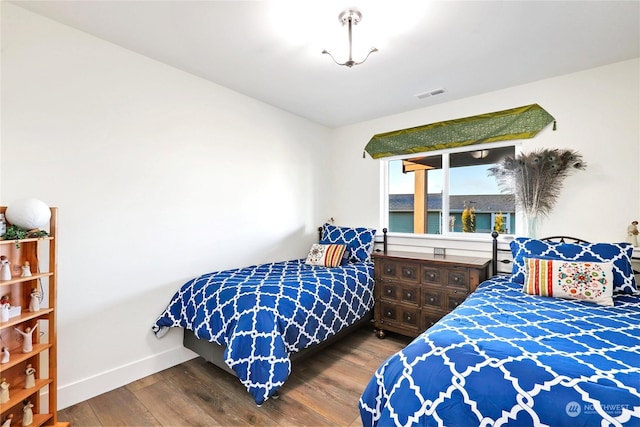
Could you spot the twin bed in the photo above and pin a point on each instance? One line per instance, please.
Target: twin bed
(555, 343)
(253, 321)
(516, 354)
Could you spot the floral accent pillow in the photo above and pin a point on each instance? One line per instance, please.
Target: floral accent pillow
(617, 253)
(585, 281)
(359, 240)
(325, 255)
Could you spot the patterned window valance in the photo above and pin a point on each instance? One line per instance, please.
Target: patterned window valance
(516, 123)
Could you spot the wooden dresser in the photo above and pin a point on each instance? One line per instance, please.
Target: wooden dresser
(414, 290)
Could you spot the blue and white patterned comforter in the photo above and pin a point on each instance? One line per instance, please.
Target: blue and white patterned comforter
(504, 358)
(263, 313)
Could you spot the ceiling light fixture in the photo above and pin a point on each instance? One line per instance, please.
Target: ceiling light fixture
(350, 17)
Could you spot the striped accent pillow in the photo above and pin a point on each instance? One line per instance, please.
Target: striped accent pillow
(326, 255)
(585, 281)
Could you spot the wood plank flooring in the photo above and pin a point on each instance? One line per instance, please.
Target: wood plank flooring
(323, 390)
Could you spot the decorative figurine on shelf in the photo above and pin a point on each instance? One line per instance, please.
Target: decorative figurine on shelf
(7, 421)
(34, 302)
(5, 355)
(632, 233)
(27, 342)
(30, 376)
(4, 390)
(26, 270)
(27, 413)
(5, 305)
(4, 312)
(5, 268)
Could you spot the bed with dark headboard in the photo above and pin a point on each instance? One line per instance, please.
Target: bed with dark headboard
(253, 321)
(554, 342)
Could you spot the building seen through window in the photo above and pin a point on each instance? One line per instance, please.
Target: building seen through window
(449, 192)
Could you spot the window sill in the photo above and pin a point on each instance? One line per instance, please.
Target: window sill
(464, 245)
(454, 237)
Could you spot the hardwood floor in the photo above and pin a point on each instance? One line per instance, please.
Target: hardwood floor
(323, 390)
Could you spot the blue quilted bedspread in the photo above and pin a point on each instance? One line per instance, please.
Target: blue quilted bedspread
(263, 313)
(504, 358)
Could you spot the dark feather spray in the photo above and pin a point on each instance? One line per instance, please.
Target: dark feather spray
(536, 178)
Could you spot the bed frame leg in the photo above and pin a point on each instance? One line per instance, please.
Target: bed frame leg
(274, 396)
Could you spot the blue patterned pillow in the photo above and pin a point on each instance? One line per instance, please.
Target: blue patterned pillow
(618, 253)
(359, 241)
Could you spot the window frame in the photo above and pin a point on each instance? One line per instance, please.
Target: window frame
(444, 226)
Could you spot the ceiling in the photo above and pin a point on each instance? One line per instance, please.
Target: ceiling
(464, 47)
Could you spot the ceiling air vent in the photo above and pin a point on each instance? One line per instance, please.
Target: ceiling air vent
(431, 93)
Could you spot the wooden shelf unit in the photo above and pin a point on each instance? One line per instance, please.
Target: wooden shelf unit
(42, 257)
(414, 290)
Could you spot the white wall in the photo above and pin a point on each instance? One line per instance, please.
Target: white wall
(598, 114)
(158, 176)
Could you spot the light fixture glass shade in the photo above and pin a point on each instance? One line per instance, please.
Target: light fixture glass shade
(480, 154)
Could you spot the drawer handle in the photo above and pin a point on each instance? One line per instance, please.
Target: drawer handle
(388, 270)
(409, 318)
(408, 294)
(389, 291)
(388, 314)
(456, 279)
(431, 276)
(432, 299)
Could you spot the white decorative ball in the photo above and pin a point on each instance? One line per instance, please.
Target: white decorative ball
(28, 213)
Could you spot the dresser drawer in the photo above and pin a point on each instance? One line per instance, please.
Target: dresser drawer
(458, 278)
(432, 275)
(429, 318)
(398, 292)
(398, 270)
(454, 299)
(432, 297)
(438, 298)
(398, 315)
(451, 277)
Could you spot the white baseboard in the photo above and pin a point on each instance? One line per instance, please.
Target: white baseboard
(79, 391)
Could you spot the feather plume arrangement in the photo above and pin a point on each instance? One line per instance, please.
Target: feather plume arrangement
(536, 178)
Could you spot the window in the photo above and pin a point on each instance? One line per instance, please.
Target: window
(447, 192)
